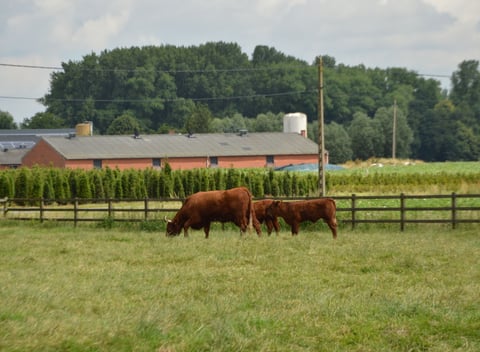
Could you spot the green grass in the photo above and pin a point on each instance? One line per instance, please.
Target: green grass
(88, 289)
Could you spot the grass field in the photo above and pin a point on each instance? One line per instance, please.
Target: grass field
(88, 289)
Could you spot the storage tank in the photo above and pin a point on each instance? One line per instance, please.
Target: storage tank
(84, 129)
(295, 122)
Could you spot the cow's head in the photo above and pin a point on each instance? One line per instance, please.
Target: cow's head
(272, 208)
(172, 228)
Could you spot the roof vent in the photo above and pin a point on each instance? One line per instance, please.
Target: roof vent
(136, 134)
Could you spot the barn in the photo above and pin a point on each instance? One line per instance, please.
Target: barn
(181, 151)
(14, 144)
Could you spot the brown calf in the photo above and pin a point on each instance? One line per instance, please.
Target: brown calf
(297, 212)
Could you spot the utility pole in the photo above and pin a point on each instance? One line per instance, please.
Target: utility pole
(321, 132)
(394, 133)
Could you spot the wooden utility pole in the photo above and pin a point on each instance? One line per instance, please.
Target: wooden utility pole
(394, 133)
(321, 132)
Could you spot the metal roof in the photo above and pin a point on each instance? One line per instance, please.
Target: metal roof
(12, 157)
(197, 145)
(27, 138)
(37, 132)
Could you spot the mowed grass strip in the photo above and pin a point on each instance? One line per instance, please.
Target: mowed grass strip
(86, 289)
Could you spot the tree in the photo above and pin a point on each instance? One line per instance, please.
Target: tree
(404, 135)
(199, 120)
(425, 97)
(124, 124)
(465, 144)
(367, 137)
(6, 121)
(43, 120)
(466, 84)
(436, 132)
(338, 144)
(268, 122)
(465, 93)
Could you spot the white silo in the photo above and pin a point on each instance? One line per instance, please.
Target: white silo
(295, 122)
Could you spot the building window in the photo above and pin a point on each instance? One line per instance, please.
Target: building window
(156, 163)
(270, 160)
(213, 161)
(97, 163)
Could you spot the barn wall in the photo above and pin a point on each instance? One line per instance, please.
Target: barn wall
(242, 161)
(121, 164)
(283, 160)
(43, 154)
(186, 163)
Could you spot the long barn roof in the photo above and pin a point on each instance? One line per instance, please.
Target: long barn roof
(197, 145)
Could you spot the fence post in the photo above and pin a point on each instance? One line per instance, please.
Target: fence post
(353, 210)
(145, 202)
(75, 211)
(5, 206)
(402, 212)
(41, 209)
(110, 208)
(454, 210)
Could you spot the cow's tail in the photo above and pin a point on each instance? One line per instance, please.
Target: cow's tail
(250, 212)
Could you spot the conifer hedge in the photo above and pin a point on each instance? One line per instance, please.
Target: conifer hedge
(31, 184)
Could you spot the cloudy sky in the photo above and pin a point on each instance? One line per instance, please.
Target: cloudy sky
(427, 36)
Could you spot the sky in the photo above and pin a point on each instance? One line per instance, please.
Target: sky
(430, 37)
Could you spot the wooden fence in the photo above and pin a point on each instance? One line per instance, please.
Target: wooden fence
(452, 209)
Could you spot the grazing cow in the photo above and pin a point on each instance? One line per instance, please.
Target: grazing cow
(306, 210)
(261, 214)
(200, 209)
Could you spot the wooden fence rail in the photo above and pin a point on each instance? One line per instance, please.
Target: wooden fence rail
(400, 209)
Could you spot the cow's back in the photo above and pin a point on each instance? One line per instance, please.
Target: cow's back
(218, 205)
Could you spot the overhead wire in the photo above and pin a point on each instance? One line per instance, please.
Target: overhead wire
(254, 69)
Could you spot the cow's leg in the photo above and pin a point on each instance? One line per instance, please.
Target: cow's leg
(185, 231)
(295, 228)
(276, 225)
(257, 226)
(206, 229)
(269, 224)
(332, 223)
(242, 225)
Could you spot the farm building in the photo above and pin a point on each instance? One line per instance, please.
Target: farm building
(15, 144)
(237, 150)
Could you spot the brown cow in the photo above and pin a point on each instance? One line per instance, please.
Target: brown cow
(261, 214)
(200, 209)
(306, 210)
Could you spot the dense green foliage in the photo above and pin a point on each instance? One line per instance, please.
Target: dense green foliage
(216, 87)
(6, 121)
(52, 183)
(88, 289)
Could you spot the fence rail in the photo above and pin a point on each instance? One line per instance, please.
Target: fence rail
(400, 209)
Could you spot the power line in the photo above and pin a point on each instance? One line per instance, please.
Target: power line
(215, 70)
(32, 66)
(77, 100)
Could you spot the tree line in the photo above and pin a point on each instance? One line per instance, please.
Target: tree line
(215, 87)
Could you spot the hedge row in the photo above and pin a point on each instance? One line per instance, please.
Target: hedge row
(54, 183)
